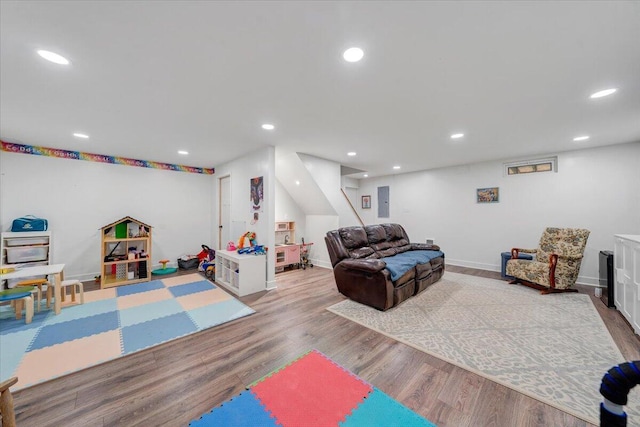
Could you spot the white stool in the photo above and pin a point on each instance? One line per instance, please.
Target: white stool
(75, 285)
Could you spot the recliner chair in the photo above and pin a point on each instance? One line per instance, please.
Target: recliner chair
(556, 264)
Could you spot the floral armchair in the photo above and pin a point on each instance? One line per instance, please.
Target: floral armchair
(556, 263)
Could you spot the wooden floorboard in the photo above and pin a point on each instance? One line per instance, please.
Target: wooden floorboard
(174, 383)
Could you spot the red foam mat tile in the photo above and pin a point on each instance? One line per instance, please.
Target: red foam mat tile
(336, 392)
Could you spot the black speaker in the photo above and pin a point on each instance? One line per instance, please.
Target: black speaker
(606, 278)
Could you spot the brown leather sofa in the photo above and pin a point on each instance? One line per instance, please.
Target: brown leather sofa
(361, 272)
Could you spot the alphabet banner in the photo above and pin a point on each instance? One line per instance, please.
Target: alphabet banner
(100, 158)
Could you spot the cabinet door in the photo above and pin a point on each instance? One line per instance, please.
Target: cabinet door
(293, 254)
(280, 257)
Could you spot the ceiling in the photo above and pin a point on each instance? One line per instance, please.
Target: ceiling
(149, 78)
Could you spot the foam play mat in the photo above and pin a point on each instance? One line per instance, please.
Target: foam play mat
(312, 391)
(111, 323)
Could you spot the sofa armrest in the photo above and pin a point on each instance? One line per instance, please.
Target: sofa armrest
(424, 247)
(365, 265)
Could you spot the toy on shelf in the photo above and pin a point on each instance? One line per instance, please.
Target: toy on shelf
(255, 250)
(249, 235)
(253, 247)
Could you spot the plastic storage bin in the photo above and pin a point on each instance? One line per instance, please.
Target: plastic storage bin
(28, 241)
(27, 254)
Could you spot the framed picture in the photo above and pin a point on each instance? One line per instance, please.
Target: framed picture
(488, 195)
(366, 202)
(256, 186)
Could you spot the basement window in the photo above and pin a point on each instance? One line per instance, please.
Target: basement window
(531, 166)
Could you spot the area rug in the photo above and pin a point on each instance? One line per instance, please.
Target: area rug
(111, 323)
(312, 391)
(553, 348)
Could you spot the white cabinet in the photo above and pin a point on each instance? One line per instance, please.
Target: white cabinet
(27, 248)
(240, 274)
(626, 259)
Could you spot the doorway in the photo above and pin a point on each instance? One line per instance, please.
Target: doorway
(224, 224)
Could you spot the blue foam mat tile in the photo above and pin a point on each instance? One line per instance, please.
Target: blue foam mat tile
(142, 335)
(12, 350)
(378, 409)
(220, 312)
(9, 324)
(191, 288)
(83, 310)
(139, 287)
(155, 310)
(244, 410)
(58, 333)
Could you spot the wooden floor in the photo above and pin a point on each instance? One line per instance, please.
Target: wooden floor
(173, 383)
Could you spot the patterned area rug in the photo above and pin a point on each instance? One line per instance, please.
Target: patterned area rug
(111, 323)
(553, 348)
(312, 391)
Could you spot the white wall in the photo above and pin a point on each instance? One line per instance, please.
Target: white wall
(317, 227)
(286, 209)
(79, 197)
(327, 175)
(597, 189)
(240, 171)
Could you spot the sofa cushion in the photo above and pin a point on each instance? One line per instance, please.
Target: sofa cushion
(353, 237)
(355, 241)
(399, 264)
(393, 231)
(364, 252)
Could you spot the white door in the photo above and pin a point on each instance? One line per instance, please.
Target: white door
(224, 227)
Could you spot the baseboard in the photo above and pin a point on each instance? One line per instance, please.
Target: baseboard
(470, 264)
(271, 285)
(582, 280)
(320, 263)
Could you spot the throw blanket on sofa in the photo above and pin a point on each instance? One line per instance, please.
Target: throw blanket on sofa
(401, 263)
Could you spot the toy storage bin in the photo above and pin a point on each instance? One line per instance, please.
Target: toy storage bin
(26, 254)
(28, 241)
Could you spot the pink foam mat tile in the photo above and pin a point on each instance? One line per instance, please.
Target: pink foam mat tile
(201, 299)
(336, 392)
(99, 295)
(51, 362)
(142, 298)
(181, 280)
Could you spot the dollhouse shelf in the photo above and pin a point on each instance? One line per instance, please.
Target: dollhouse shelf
(126, 253)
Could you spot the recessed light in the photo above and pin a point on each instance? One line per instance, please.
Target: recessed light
(581, 138)
(183, 152)
(268, 126)
(366, 175)
(351, 153)
(53, 57)
(353, 54)
(81, 135)
(297, 182)
(457, 135)
(602, 93)
(396, 167)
